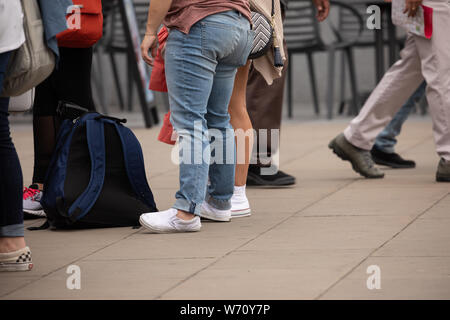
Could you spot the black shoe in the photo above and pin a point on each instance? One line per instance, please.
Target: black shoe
(279, 179)
(392, 160)
(443, 171)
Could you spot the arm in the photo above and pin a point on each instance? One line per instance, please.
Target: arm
(157, 11)
(323, 9)
(411, 7)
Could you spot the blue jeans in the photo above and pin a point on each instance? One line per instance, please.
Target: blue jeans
(11, 214)
(200, 71)
(386, 140)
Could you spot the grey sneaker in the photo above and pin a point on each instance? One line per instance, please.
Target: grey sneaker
(31, 201)
(443, 171)
(360, 159)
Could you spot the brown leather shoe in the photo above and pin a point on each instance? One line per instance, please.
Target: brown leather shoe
(360, 159)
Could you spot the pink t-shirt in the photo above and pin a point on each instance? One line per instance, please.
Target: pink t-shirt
(183, 14)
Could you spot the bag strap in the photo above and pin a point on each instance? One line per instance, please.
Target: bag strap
(134, 164)
(64, 136)
(63, 133)
(95, 133)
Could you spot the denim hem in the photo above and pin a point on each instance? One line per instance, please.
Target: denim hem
(218, 204)
(13, 230)
(383, 148)
(184, 205)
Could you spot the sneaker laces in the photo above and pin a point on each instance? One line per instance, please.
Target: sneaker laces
(29, 193)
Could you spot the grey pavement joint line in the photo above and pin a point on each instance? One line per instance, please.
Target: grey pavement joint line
(381, 246)
(339, 188)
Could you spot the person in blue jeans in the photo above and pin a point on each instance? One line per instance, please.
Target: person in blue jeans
(208, 41)
(383, 151)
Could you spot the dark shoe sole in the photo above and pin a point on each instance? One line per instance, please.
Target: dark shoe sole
(391, 164)
(441, 178)
(341, 154)
(255, 180)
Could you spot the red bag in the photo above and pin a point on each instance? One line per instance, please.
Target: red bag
(167, 134)
(158, 76)
(85, 25)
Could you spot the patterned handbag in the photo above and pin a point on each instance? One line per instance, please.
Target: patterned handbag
(263, 30)
(265, 37)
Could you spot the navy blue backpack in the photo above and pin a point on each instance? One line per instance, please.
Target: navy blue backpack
(96, 177)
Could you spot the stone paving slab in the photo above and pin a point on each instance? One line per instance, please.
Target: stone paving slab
(402, 278)
(311, 241)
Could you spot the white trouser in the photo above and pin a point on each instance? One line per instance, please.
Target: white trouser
(420, 59)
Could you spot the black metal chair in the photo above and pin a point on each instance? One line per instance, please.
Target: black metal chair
(114, 42)
(303, 35)
(347, 29)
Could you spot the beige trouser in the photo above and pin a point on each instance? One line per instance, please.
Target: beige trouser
(420, 59)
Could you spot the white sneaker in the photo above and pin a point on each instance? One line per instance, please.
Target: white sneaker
(211, 213)
(240, 207)
(31, 201)
(168, 222)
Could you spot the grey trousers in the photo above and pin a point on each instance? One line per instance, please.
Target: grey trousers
(421, 59)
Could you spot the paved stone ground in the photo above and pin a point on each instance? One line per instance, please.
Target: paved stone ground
(312, 241)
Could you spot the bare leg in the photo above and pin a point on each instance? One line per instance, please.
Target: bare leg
(11, 244)
(241, 124)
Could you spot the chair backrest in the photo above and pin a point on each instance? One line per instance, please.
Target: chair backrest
(301, 29)
(141, 9)
(114, 32)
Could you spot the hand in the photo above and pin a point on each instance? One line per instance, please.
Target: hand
(411, 7)
(149, 43)
(323, 9)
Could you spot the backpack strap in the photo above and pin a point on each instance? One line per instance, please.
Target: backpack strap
(134, 165)
(65, 129)
(95, 134)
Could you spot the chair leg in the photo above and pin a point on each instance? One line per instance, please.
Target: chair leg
(289, 87)
(130, 83)
(331, 74)
(343, 85)
(97, 80)
(354, 84)
(117, 81)
(312, 76)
